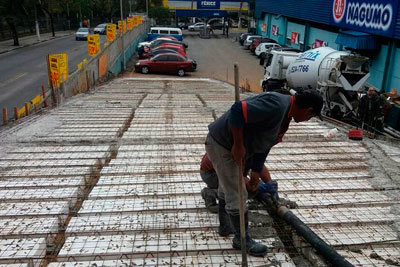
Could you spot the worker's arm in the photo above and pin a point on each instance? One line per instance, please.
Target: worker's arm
(238, 150)
(265, 175)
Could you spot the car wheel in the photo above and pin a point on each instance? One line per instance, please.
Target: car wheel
(76, 38)
(181, 72)
(145, 70)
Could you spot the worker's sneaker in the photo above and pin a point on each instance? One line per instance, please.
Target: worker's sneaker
(252, 247)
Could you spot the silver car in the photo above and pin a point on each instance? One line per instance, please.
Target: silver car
(81, 34)
(100, 29)
(198, 26)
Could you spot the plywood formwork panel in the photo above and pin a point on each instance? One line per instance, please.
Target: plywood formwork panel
(58, 209)
(374, 255)
(328, 174)
(161, 203)
(29, 250)
(38, 182)
(29, 227)
(46, 172)
(164, 169)
(31, 163)
(153, 189)
(228, 260)
(345, 235)
(356, 215)
(338, 199)
(141, 221)
(56, 156)
(83, 126)
(115, 246)
(45, 194)
(62, 149)
(148, 179)
(325, 185)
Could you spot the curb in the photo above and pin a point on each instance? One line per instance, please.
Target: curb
(36, 42)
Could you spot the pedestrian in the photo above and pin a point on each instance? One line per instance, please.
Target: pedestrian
(247, 131)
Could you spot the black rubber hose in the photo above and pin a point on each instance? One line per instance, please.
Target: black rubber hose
(329, 254)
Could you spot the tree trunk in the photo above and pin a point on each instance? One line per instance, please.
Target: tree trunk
(13, 29)
(51, 19)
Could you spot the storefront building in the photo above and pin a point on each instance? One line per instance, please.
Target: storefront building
(367, 27)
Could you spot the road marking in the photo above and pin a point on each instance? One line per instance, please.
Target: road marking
(13, 79)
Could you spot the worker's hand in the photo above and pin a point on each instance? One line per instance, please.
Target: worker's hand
(238, 152)
(254, 182)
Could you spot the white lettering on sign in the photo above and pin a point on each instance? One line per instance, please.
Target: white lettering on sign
(373, 16)
(208, 3)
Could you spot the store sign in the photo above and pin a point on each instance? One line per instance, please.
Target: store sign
(93, 41)
(58, 68)
(208, 4)
(274, 30)
(294, 38)
(319, 43)
(111, 30)
(264, 27)
(374, 16)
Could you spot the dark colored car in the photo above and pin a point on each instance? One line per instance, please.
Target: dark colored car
(157, 42)
(166, 63)
(286, 48)
(243, 37)
(256, 42)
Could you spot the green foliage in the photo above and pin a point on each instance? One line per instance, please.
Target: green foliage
(162, 15)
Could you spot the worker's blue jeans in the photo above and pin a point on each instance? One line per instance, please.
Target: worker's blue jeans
(227, 171)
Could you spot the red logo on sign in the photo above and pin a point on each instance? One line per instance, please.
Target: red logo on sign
(338, 9)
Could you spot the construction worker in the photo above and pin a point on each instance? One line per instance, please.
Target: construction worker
(248, 130)
(209, 176)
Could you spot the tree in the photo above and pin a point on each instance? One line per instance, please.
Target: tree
(162, 15)
(13, 12)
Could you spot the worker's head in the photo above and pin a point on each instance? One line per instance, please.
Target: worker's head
(308, 103)
(371, 91)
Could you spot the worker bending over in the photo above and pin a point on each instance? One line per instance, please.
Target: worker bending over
(248, 130)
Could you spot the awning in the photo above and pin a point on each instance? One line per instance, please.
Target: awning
(357, 40)
(208, 13)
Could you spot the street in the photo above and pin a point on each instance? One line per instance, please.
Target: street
(24, 70)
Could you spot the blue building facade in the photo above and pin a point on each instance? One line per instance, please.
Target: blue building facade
(369, 27)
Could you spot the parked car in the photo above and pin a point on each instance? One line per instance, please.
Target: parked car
(157, 42)
(256, 42)
(81, 34)
(153, 53)
(169, 37)
(264, 47)
(243, 37)
(166, 63)
(198, 26)
(249, 40)
(179, 48)
(100, 29)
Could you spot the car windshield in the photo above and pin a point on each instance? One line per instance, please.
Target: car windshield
(83, 30)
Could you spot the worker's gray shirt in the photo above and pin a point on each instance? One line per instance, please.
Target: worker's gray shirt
(265, 114)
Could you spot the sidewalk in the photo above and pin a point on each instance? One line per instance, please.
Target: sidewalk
(6, 46)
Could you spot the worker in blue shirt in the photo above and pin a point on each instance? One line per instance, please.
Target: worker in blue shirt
(248, 130)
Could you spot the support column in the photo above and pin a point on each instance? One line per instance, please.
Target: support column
(388, 72)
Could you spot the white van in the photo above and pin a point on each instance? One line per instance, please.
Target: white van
(163, 31)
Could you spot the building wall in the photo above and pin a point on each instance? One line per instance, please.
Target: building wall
(395, 79)
(300, 29)
(326, 36)
(281, 22)
(377, 67)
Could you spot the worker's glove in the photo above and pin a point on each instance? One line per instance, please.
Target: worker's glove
(270, 188)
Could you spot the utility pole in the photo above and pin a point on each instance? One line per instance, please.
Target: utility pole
(37, 24)
(147, 8)
(122, 37)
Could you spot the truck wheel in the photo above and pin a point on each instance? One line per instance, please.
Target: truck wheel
(181, 72)
(145, 70)
(262, 55)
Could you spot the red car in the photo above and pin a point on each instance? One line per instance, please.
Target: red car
(167, 63)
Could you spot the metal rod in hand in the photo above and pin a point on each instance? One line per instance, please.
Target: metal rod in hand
(240, 185)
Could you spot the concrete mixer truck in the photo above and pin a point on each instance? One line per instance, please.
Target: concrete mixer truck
(337, 75)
